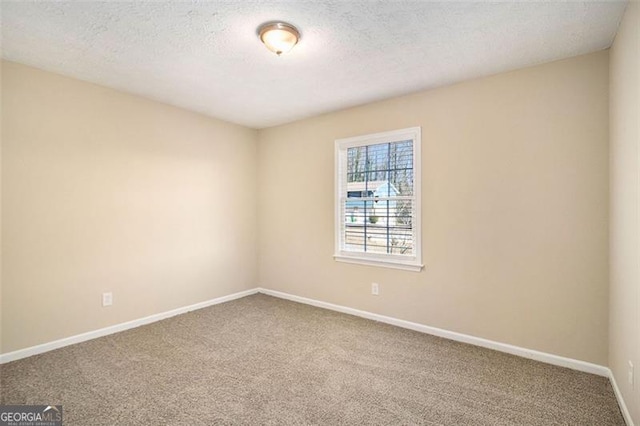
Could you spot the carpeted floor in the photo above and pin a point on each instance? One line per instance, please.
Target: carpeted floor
(262, 360)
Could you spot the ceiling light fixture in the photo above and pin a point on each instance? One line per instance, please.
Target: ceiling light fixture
(279, 37)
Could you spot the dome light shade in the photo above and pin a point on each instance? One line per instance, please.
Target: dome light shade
(279, 37)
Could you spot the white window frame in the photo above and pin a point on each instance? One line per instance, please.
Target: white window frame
(409, 263)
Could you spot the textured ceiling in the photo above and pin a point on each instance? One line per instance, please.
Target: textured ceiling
(205, 55)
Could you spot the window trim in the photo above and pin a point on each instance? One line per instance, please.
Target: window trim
(409, 263)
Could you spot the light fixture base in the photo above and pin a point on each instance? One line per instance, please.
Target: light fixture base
(279, 37)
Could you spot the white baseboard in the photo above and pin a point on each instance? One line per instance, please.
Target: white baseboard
(560, 361)
(621, 403)
(45, 347)
(465, 338)
(459, 337)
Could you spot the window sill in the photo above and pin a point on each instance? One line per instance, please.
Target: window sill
(394, 264)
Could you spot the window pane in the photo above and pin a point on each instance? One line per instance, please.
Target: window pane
(375, 165)
(401, 170)
(377, 161)
(377, 184)
(356, 159)
(401, 227)
(379, 226)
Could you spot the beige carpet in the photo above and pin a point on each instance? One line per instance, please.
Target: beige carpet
(261, 360)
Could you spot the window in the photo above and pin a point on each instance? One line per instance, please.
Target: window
(378, 199)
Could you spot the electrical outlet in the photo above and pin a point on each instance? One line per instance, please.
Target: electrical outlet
(107, 299)
(630, 374)
(375, 289)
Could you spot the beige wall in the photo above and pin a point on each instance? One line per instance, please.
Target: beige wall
(515, 209)
(1, 350)
(104, 191)
(624, 329)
